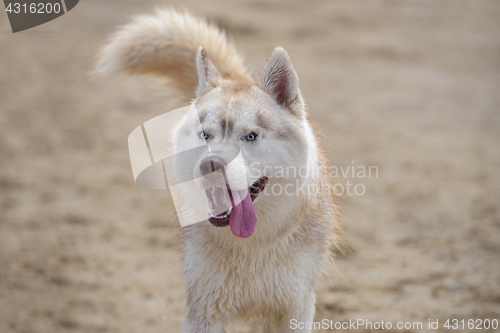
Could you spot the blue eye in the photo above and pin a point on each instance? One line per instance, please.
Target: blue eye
(251, 137)
(204, 135)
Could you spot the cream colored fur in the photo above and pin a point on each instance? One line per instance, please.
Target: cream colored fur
(165, 44)
(273, 273)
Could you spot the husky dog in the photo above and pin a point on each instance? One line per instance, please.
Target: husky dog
(267, 263)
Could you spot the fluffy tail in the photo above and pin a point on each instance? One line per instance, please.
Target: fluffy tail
(165, 44)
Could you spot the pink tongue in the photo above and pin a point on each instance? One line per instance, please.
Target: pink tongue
(243, 218)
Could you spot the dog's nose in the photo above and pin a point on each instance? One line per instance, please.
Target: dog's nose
(210, 165)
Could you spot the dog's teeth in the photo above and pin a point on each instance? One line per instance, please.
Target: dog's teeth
(221, 217)
(217, 217)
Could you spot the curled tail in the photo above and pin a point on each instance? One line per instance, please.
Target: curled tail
(165, 44)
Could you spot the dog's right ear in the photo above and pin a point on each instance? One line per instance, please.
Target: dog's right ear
(208, 76)
(279, 79)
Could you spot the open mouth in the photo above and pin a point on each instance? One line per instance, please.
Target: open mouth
(217, 199)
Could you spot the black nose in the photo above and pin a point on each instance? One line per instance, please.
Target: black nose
(210, 165)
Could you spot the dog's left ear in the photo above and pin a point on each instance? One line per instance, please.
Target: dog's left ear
(208, 76)
(278, 78)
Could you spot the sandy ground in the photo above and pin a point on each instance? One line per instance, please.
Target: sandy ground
(409, 87)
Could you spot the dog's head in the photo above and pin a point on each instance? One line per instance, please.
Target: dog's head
(253, 129)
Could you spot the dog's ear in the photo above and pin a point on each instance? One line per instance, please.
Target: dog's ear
(207, 73)
(278, 78)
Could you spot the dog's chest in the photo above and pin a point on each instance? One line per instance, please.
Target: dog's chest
(257, 279)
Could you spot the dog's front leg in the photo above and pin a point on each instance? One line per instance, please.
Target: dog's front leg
(193, 323)
(295, 320)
